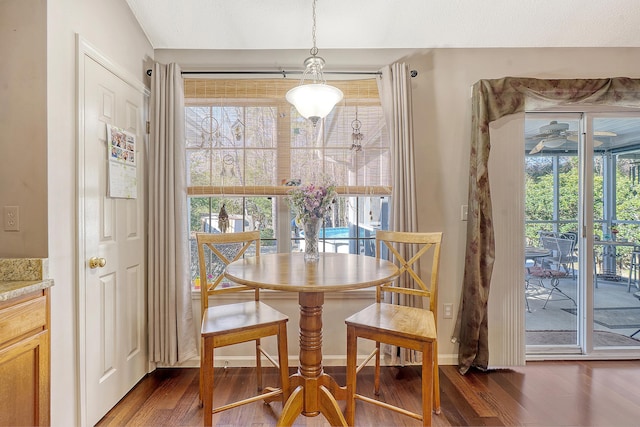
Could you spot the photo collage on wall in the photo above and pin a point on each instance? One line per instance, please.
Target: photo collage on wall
(123, 146)
(121, 149)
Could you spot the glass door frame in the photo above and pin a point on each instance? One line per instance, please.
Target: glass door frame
(585, 283)
(576, 349)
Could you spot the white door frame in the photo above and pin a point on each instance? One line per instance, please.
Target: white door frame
(83, 51)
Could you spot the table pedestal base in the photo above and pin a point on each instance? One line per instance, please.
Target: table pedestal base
(312, 397)
(312, 391)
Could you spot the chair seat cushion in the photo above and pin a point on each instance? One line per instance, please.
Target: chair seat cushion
(230, 318)
(546, 272)
(408, 322)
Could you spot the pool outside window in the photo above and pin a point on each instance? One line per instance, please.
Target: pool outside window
(348, 228)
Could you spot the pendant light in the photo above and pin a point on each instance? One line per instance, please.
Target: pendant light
(316, 99)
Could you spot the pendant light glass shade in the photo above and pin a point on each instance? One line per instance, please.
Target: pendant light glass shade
(316, 99)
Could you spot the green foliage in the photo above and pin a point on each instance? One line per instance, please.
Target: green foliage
(539, 205)
(256, 212)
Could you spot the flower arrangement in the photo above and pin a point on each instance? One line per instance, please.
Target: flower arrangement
(311, 201)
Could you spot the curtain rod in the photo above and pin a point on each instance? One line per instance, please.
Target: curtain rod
(284, 73)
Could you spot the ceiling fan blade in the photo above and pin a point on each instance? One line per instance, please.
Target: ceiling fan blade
(574, 134)
(574, 138)
(537, 148)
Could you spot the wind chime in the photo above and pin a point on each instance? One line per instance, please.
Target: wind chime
(213, 138)
(223, 219)
(227, 170)
(208, 129)
(356, 136)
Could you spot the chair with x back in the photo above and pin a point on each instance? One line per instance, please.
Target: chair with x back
(411, 325)
(228, 324)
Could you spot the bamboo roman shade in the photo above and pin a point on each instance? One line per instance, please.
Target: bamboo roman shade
(244, 138)
(270, 88)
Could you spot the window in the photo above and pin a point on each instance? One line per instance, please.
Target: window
(244, 142)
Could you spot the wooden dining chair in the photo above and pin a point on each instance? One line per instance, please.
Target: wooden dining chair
(235, 323)
(413, 327)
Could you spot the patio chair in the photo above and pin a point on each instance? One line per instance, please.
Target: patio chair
(637, 295)
(634, 266)
(562, 255)
(555, 266)
(573, 252)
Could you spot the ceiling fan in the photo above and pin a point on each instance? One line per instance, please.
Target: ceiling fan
(555, 135)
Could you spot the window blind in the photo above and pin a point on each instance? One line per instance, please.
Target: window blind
(244, 138)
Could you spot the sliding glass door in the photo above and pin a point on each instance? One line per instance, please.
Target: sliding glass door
(583, 216)
(553, 272)
(616, 215)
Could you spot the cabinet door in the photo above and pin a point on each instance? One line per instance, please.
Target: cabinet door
(24, 385)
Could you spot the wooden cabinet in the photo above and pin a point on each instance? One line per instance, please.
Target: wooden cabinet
(24, 360)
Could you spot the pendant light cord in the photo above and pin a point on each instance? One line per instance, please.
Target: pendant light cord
(314, 49)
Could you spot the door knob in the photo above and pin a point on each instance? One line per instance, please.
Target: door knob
(95, 262)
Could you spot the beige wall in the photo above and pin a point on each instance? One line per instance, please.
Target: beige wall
(442, 117)
(23, 125)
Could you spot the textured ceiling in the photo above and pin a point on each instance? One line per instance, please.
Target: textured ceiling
(376, 24)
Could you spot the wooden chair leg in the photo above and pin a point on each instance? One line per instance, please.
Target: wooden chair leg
(259, 365)
(376, 377)
(283, 360)
(427, 382)
(436, 380)
(206, 381)
(352, 351)
(201, 372)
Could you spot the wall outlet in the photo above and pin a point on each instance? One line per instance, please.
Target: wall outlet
(11, 218)
(447, 311)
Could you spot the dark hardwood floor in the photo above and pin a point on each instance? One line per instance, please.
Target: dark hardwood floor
(585, 393)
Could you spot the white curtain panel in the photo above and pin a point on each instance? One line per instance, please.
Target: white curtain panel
(172, 335)
(394, 87)
(395, 95)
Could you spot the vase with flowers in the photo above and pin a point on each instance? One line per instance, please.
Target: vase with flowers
(310, 203)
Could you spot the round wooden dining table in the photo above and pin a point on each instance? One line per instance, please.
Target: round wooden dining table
(312, 392)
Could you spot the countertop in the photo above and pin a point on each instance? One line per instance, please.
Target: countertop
(19, 276)
(15, 288)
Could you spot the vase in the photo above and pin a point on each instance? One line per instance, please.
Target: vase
(311, 229)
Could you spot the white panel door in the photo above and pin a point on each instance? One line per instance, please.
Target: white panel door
(112, 318)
